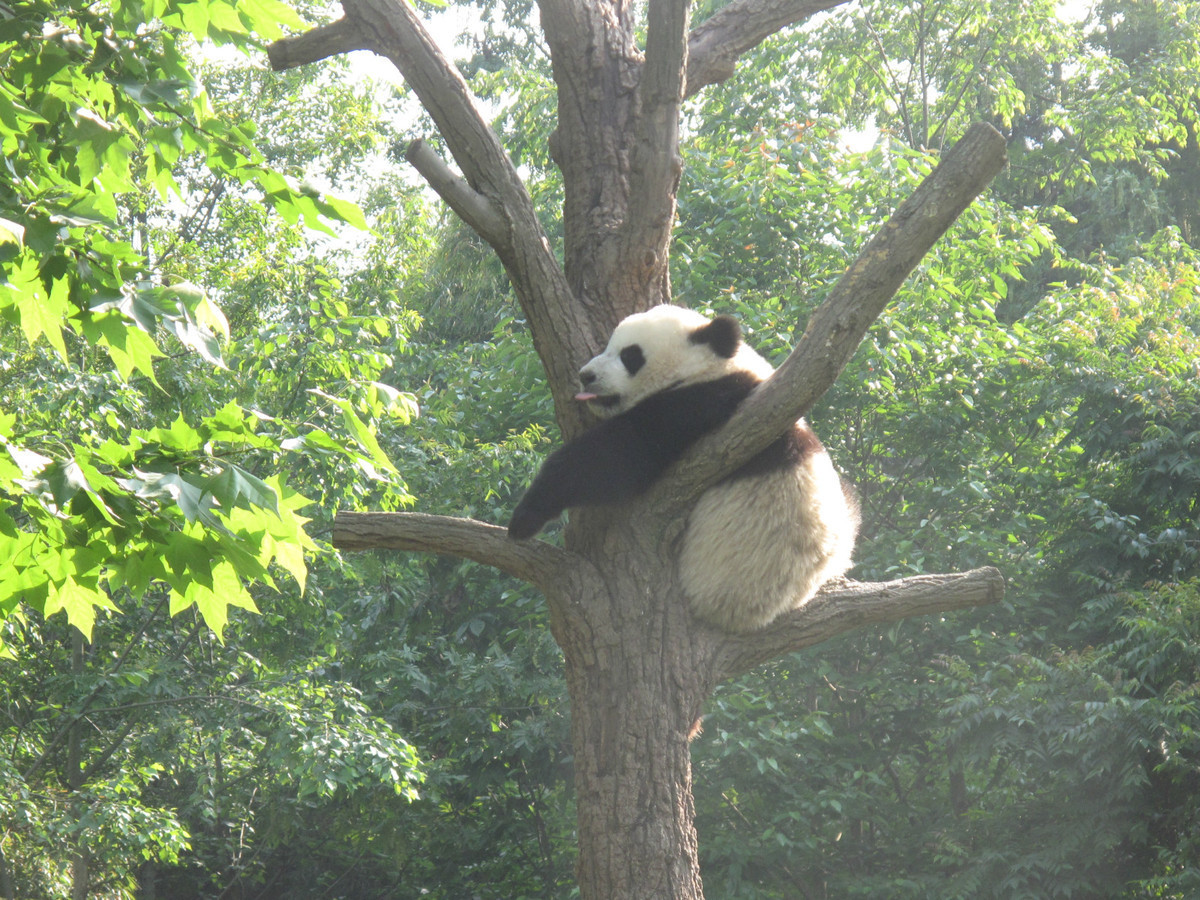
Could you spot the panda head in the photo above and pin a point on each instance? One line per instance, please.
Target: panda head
(663, 348)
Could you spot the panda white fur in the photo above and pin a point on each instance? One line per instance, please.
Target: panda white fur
(761, 541)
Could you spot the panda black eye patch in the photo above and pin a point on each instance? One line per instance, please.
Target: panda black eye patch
(633, 358)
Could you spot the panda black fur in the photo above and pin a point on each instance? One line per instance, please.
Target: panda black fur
(761, 541)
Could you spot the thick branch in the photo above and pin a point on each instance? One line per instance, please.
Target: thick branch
(392, 29)
(536, 562)
(471, 206)
(715, 46)
(656, 164)
(836, 610)
(838, 326)
(342, 36)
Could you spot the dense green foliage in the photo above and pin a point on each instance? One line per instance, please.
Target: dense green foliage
(151, 457)
(208, 356)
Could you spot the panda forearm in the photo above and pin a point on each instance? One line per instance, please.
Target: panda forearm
(546, 498)
(606, 467)
(621, 457)
(530, 516)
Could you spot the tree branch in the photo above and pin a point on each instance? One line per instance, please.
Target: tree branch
(472, 207)
(714, 46)
(656, 163)
(342, 36)
(392, 29)
(838, 326)
(844, 607)
(536, 562)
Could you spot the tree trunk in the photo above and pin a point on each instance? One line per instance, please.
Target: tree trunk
(633, 779)
(638, 666)
(75, 778)
(636, 682)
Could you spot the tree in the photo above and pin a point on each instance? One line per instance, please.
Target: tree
(638, 667)
(1028, 402)
(139, 496)
(97, 108)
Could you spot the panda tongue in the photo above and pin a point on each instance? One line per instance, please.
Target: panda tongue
(584, 397)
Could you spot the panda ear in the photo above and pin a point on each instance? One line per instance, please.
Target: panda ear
(722, 334)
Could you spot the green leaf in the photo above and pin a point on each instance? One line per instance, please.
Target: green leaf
(401, 405)
(291, 556)
(361, 433)
(193, 501)
(11, 232)
(234, 486)
(195, 17)
(186, 312)
(40, 314)
(189, 559)
(266, 16)
(129, 347)
(224, 16)
(79, 602)
(213, 601)
(344, 211)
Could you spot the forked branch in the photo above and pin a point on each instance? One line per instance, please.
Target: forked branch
(471, 206)
(490, 196)
(839, 608)
(536, 562)
(837, 328)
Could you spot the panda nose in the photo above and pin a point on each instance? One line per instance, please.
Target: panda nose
(586, 378)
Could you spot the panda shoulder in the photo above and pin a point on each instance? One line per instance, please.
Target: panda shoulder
(683, 413)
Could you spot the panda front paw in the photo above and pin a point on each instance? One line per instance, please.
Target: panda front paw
(525, 523)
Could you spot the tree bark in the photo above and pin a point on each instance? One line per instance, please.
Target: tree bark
(638, 666)
(636, 685)
(80, 857)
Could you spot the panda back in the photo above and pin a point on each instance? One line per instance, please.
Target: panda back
(766, 538)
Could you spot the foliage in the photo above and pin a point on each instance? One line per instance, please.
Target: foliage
(927, 70)
(146, 433)
(98, 107)
(200, 753)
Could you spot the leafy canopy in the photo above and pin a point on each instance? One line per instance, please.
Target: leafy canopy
(103, 126)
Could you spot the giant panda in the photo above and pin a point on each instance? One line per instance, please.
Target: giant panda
(761, 541)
